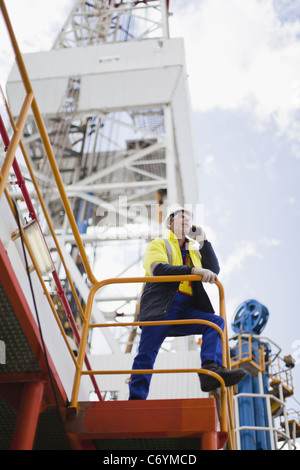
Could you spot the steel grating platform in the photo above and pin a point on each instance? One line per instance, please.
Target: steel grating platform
(8, 416)
(49, 435)
(19, 354)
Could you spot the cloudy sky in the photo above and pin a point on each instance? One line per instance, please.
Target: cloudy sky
(244, 73)
(243, 61)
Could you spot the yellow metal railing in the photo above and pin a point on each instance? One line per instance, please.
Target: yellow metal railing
(15, 142)
(245, 353)
(280, 373)
(226, 419)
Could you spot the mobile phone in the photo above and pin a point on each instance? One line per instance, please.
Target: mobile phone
(194, 231)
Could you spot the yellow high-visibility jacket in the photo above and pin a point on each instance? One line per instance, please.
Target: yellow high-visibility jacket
(163, 258)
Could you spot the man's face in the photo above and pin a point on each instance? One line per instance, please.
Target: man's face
(181, 224)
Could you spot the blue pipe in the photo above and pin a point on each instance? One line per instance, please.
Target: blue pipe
(246, 414)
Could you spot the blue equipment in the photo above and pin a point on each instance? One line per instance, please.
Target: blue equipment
(251, 317)
(250, 353)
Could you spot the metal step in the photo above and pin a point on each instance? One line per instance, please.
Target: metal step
(147, 424)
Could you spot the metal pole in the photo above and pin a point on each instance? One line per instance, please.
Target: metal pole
(14, 142)
(237, 423)
(174, 193)
(28, 415)
(270, 419)
(165, 20)
(286, 423)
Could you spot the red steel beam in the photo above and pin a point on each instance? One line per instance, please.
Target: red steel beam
(28, 416)
(137, 419)
(28, 324)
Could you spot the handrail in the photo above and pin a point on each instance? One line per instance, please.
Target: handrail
(271, 427)
(72, 323)
(238, 356)
(15, 141)
(40, 198)
(60, 291)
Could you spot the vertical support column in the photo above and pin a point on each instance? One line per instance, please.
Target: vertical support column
(165, 19)
(237, 422)
(174, 190)
(273, 440)
(28, 415)
(285, 416)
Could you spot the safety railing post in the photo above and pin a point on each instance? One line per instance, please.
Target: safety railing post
(10, 155)
(60, 291)
(82, 347)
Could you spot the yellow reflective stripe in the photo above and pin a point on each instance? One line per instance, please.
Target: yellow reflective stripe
(185, 287)
(169, 251)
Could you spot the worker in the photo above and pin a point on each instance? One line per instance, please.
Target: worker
(184, 249)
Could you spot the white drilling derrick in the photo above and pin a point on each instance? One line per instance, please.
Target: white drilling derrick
(113, 93)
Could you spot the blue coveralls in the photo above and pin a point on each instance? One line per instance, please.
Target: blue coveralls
(152, 337)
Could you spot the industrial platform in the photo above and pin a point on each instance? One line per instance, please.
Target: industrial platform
(152, 424)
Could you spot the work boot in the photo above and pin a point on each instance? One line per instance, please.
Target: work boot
(230, 377)
(208, 383)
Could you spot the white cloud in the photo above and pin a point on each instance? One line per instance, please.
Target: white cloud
(210, 165)
(36, 23)
(235, 261)
(253, 165)
(271, 172)
(239, 55)
(270, 241)
(246, 248)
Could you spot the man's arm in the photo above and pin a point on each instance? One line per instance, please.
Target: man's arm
(165, 269)
(209, 258)
(156, 262)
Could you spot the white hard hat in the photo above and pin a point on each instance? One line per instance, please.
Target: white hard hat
(173, 209)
